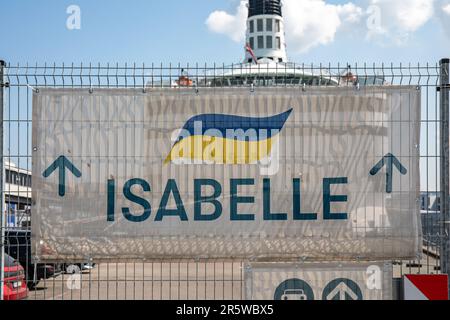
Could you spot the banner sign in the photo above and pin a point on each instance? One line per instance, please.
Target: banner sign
(329, 173)
(357, 281)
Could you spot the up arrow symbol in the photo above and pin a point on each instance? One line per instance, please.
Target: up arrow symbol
(389, 161)
(341, 291)
(62, 163)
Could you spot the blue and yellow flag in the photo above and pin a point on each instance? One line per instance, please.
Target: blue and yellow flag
(227, 139)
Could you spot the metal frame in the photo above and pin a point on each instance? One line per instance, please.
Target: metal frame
(17, 82)
(445, 156)
(2, 212)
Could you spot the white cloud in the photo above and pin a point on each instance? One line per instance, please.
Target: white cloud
(309, 23)
(446, 9)
(444, 16)
(312, 23)
(350, 13)
(398, 19)
(231, 25)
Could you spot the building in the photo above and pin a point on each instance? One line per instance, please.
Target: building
(17, 191)
(431, 217)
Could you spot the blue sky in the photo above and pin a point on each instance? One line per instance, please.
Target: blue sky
(176, 31)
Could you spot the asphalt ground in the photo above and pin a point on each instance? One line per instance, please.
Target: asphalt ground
(169, 281)
(146, 281)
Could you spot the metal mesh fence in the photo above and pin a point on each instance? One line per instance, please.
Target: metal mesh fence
(195, 279)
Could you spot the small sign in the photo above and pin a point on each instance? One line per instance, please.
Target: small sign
(294, 289)
(342, 289)
(318, 281)
(425, 287)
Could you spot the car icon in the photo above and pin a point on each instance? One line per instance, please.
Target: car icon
(294, 294)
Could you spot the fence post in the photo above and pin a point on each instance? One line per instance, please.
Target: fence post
(2, 212)
(445, 156)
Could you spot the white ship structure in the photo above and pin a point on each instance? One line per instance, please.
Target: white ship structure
(266, 62)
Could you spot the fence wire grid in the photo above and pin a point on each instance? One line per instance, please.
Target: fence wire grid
(197, 279)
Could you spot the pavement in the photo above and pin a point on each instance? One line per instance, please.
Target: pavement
(170, 281)
(146, 281)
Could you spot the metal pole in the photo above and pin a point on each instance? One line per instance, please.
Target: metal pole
(445, 156)
(2, 212)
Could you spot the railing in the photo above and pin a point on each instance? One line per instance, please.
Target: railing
(196, 279)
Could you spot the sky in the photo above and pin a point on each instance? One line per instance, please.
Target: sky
(213, 31)
(208, 31)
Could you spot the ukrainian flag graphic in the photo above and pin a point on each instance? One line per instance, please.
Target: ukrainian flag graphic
(227, 139)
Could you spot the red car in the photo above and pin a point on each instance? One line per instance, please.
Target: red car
(15, 286)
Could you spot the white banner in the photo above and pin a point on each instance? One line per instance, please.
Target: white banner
(330, 173)
(325, 281)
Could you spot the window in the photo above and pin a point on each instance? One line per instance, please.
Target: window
(269, 25)
(16, 178)
(13, 178)
(252, 42)
(259, 25)
(277, 26)
(25, 180)
(269, 42)
(252, 26)
(260, 42)
(278, 40)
